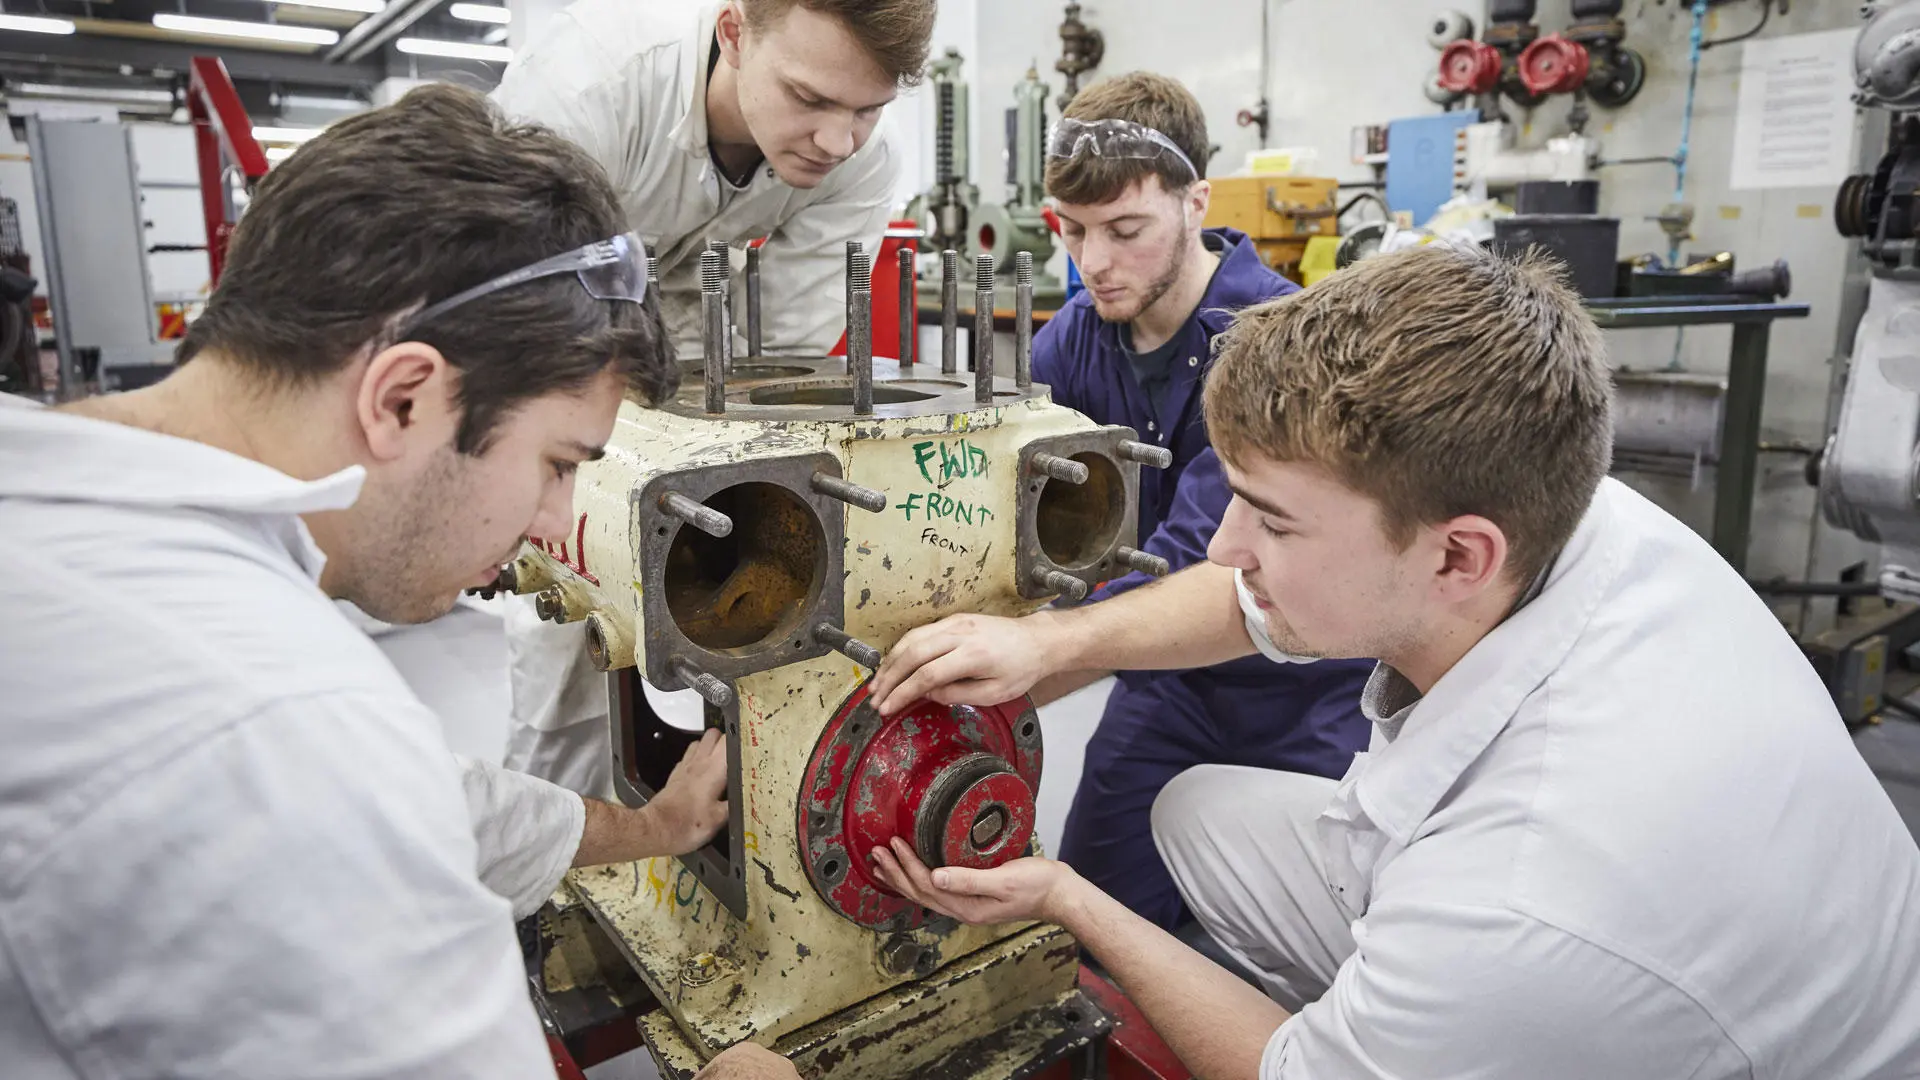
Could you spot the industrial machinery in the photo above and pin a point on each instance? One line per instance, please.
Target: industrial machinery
(1512, 58)
(1870, 473)
(1280, 214)
(1081, 50)
(946, 208)
(951, 212)
(761, 538)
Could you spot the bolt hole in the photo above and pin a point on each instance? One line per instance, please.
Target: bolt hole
(830, 869)
(1026, 729)
(662, 530)
(798, 645)
(1073, 1016)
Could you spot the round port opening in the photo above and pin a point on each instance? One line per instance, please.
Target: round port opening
(832, 394)
(754, 584)
(1078, 524)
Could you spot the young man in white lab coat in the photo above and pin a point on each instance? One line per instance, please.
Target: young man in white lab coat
(232, 841)
(1610, 825)
(724, 120)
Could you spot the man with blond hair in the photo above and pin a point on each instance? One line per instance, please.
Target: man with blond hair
(1610, 824)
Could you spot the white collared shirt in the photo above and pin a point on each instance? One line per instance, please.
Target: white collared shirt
(1626, 836)
(627, 81)
(232, 842)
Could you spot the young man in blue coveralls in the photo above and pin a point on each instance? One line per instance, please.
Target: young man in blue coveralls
(1126, 166)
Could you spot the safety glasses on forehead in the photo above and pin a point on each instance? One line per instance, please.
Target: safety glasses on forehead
(1113, 140)
(613, 269)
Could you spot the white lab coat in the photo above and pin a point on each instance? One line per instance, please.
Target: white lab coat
(232, 842)
(1626, 835)
(627, 80)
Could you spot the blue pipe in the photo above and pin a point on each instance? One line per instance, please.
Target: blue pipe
(1686, 118)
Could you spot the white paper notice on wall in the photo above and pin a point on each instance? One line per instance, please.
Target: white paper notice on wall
(1794, 127)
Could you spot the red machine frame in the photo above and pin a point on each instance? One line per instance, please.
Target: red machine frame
(223, 137)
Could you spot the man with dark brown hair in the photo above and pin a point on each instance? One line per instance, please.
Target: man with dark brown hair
(725, 120)
(1609, 825)
(232, 841)
(1127, 166)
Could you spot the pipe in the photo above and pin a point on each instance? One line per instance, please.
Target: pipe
(719, 247)
(755, 344)
(983, 330)
(860, 327)
(1023, 320)
(1694, 41)
(1815, 588)
(949, 312)
(908, 331)
(713, 349)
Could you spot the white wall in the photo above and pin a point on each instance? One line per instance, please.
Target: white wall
(1338, 64)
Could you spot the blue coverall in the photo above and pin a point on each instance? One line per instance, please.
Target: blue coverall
(1296, 717)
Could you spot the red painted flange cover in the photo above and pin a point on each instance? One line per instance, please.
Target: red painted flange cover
(958, 783)
(1470, 67)
(1554, 65)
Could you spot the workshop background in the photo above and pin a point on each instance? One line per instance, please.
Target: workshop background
(1319, 74)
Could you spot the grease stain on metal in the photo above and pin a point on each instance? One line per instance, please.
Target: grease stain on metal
(767, 872)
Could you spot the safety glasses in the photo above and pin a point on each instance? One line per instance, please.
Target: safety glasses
(1113, 140)
(613, 269)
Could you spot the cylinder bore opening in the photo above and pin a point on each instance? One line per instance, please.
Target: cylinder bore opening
(754, 584)
(832, 394)
(751, 372)
(1077, 524)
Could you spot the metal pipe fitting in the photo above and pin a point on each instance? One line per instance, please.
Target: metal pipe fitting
(983, 330)
(1144, 562)
(1023, 320)
(755, 344)
(716, 692)
(719, 247)
(847, 645)
(949, 312)
(1157, 457)
(908, 330)
(848, 492)
(860, 327)
(713, 330)
(1058, 468)
(705, 518)
(1063, 583)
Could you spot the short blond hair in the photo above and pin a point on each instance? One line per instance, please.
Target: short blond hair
(1438, 382)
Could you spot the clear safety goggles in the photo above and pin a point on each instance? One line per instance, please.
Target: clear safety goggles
(613, 269)
(1113, 140)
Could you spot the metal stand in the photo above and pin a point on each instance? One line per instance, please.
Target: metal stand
(1739, 465)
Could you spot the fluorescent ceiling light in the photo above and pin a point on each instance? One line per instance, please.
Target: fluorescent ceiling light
(257, 31)
(35, 25)
(321, 101)
(280, 153)
(481, 13)
(365, 7)
(124, 95)
(458, 50)
(284, 134)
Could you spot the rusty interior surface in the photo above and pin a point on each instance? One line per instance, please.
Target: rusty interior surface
(745, 588)
(1078, 523)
